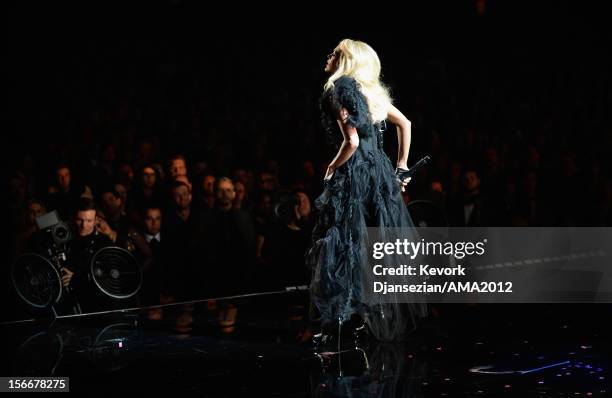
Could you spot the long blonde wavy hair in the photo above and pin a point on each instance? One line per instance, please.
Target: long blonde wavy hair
(359, 61)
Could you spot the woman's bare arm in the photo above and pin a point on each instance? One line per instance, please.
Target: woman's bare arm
(349, 144)
(404, 135)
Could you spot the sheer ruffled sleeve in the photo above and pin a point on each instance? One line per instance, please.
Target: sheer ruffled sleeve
(345, 94)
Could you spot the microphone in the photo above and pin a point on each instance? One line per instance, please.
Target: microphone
(403, 174)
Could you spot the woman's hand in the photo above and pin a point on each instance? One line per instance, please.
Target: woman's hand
(403, 181)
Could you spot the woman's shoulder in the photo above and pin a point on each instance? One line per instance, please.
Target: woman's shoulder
(345, 89)
(347, 94)
(343, 84)
(346, 83)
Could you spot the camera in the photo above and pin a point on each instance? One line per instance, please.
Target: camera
(37, 276)
(58, 230)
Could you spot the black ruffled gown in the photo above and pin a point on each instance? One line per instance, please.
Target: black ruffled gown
(362, 193)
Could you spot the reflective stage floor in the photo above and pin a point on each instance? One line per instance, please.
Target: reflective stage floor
(260, 345)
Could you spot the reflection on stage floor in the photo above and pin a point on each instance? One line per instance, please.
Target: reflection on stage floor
(261, 344)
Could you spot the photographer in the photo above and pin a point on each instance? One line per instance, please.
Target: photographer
(71, 248)
(87, 241)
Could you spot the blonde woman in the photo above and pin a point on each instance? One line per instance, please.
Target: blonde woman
(361, 190)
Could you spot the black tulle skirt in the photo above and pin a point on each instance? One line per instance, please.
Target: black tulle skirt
(362, 193)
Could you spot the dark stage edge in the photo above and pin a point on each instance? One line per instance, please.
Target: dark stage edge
(259, 345)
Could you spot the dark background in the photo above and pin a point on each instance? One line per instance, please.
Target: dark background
(512, 74)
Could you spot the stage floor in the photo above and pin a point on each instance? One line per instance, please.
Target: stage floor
(260, 345)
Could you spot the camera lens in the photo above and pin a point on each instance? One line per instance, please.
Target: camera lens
(61, 233)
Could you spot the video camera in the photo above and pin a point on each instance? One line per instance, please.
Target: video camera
(57, 231)
(37, 276)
